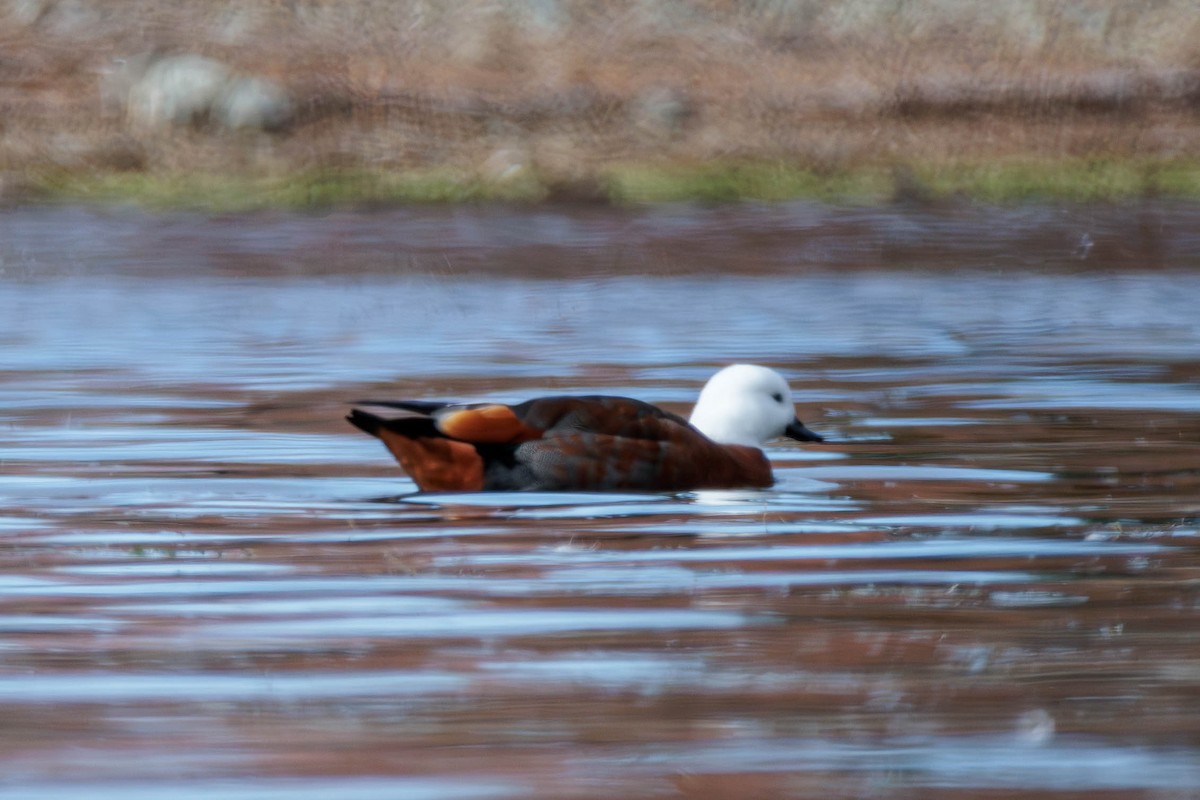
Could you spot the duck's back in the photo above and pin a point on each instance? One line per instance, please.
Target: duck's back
(605, 443)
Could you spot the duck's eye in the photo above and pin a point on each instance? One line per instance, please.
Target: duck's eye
(777, 397)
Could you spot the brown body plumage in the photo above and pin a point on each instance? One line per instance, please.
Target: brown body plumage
(559, 443)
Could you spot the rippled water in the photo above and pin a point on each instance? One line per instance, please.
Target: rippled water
(986, 584)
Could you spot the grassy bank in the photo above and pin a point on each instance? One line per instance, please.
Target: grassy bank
(998, 182)
(620, 101)
(632, 184)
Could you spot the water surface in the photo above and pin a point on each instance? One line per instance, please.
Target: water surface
(985, 584)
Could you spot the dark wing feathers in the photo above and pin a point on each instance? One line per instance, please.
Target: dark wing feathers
(433, 461)
(416, 406)
(407, 425)
(601, 414)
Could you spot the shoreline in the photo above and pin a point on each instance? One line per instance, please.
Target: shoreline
(514, 241)
(1017, 182)
(323, 104)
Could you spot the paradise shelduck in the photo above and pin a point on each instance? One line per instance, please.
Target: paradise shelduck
(593, 443)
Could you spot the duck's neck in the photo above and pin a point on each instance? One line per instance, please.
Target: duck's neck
(720, 430)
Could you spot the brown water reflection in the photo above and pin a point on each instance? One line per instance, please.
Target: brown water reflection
(985, 586)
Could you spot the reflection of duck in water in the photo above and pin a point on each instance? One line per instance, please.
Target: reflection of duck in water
(593, 443)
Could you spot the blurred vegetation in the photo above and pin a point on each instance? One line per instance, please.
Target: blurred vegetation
(627, 101)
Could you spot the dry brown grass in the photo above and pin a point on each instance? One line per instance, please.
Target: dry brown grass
(566, 89)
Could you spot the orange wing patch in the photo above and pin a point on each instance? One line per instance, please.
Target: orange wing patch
(436, 464)
(494, 424)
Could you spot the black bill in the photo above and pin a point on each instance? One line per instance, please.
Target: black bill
(796, 430)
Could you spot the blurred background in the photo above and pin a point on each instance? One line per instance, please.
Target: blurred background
(312, 101)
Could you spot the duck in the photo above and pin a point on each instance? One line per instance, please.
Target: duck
(592, 442)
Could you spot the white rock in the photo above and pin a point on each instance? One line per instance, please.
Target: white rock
(252, 104)
(176, 90)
